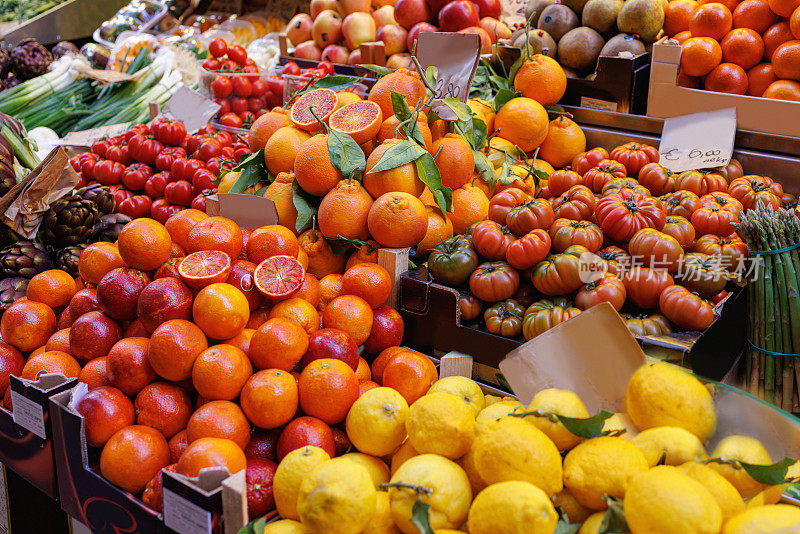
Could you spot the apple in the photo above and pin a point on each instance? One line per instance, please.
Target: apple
(327, 28)
(457, 15)
(335, 54)
(353, 6)
(299, 28)
(488, 8)
(416, 30)
(384, 15)
(354, 58)
(399, 61)
(496, 29)
(377, 4)
(308, 50)
(486, 41)
(358, 28)
(436, 5)
(393, 37)
(318, 6)
(411, 12)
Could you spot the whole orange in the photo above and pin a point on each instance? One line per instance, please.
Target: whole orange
(351, 314)
(389, 130)
(313, 169)
(259, 316)
(363, 371)
(402, 81)
(93, 335)
(369, 281)
(211, 452)
(298, 311)
(280, 193)
(523, 121)
(180, 224)
(344, 210)
(105, 411)
(269, 398)
(366, 253)
(380, 362)
(177, 444)
(309, 290)
(783, 8)
(94, 373)
(328, 388)
(219, 372)
(98, 259)
(278, 344)
(221, 311)
(743, 47)
(782, 90)
(281, 150)
(759, 78)
(27, 325)
(163, 406)
(330, 287)
(242, 340)
(712, 20)
(403, 178)
(786, 61)
(411, 374)
(144, 244)
(174, 346)
(677, 15)
(541, 78)
(266, 125)
(219, 419)
(271, 240)
(439, 229)
(470, 205)
(699, 56)
(53, 287)
(454, 159)
(133, 456)
(127, 365)
(727, 78)
(59, 341)
(398, 220)
(53, 361)
(564, 141)
(216, 233)
(321, 260)
(754, 14)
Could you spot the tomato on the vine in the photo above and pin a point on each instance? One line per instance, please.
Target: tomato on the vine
(255, 103)
(136, 206)
(291, 69)
(237, 53)
(136, 175)
(217, 47)
(221, 86)
(247, 118)
(180, 192)
(259, 88)
(224, 106)
(231, 120)
(238, 105)
(211, 64)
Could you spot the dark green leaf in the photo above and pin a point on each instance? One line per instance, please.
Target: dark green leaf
(512, 73)
(249, 178)
(554, 108)
(614, 521)
(377, 69)
(501, 82)
(304, 206)
(335, 83)
(478, 133)
(564, 526)
(403, 152)
(461, 109)
(400, 106)
(420, 517)
(429, 174)
(540, 176)
(772, 475)
(502, 97)
(346, 155)
(663, 459)
(260, 192)
(254, 527)
(484, 168)
(589, 427)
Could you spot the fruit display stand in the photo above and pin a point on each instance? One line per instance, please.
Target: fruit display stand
(667, 99)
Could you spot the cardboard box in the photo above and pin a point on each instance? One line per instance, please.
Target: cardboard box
(667, 99)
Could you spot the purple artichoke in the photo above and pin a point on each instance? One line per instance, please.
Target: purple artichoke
(30, 59)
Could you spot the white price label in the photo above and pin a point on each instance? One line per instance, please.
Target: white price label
(28, 414)
(456, 57)
(698, 141)
(189, 106)
(185, 517)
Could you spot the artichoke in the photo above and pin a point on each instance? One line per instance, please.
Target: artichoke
(67, 259)
(70, 221)
(109, 227)
(100, 195)
(8, 236)
(63, 48)
(11, 289)
(30, 59)
(25, 259)
(5, 63)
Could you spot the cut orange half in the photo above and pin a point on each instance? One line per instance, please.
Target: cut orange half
(360, 120)
(323, 102)
(203, 268)
(279, 277)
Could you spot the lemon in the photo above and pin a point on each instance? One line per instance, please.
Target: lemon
(381, 522)
(576, 512)
(440, 423)
(498, 410)
(285, 526)
(511, 507)
(770, 519)
(377, 469)
(680, 445)
(728, 499)
(512, 449)
(662, 395)
(592, 524)
(467, 463)
(770, 495)
(491, 399)
(621, 424)
(563, 402)
(442, 484)
(667, 500)
(227, 181)
(462, 387)
(289, 475)
(745, 449)
(337, 497)
(601, 466)
(376, 423)
(405, 452)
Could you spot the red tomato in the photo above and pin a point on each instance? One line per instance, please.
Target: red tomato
(259, 88)
(180, 192)
(238, 105)
(223, 138)
(242, 86)
(119, 153)
(75, 163)
(160, 210)
(213, 165)
(136, 175)
(275, 83)
(218, 47)
(255, 104)
(168, 131)
(207, 129)
(228, 152)
(119, 193)
(250, 69)
(291, 69)
(231, 120)
(237, 53)
(184, 169)
(224, 106)
(144, 149)
(193, 141)
(529, 250)
(155, 185)
(139, 129)
(221, 86)
(202, 179)
(100, 146)
(109, 172)
(326, 66)
(247, 118)
(199, 202)
(88, 165)
(136, 206)
(239, 153)
(228, 66)
(167, 156)
(211, 64)
(685, 309)
(208, 149)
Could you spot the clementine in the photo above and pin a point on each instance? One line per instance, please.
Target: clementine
(711, 20)
(313, 169)
(299, 311)
(677, 15)
(783, 90)
(727, 78)
(744, 47)
(133, 456)
(174, 346)
(369, 281)
(211, 452)
(754, 14)
(53, 287)
(27, 325)
(785, 62)
(269, 398)
(700, 55)
(776, 35)
(759, 78)
(165, 407)
(397, 220)
(327, 390)
(351, 314)
(344, 210)
(278, 344)
(219, 372)
(221, 311)
(144, 244)
(219, 419)
(523, 122)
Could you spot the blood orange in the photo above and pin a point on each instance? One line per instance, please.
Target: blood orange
(361, 120)
(279, 277)
(323, 102)
(205, 267)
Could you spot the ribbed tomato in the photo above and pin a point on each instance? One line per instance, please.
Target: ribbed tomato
(731, 171)
(618, 184)
(681, 203)
(655, 249)
(634, 156)
(751, 189)
(647, 325)
(620, 215)
(528, 250)
(543, 315)
(561, 180)
(504, 318)
(681, 229)
(491, 240)
(560, 274)
(470, 307)
(703, 274)
(578, 204)
(588, 160)
(504, 202)
(685, 309)
(565, 232)
(533, 214)
(723, 201)
(657, 179)
(494, 281)
(604, 172)
(731, 250)
(644, 285)
(609, 289)
(713, 220)
(701, 182)
(617, 259)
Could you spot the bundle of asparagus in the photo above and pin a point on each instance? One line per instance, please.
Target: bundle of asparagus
(773, 332)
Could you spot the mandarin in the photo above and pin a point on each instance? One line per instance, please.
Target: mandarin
(219, 419)
(27, 325)
(397, 220)
(133, 456)
(299, 311)
(144, 244)
(369, 281)
(269, 399)
(53, 361)
(351, 314)
(211, 452)
(220, 372)
(180, 224)
(163, 406)
(53, 287)
(327, 389)
(174, 346)
(344, 211)
(278, 344)
(98, 259)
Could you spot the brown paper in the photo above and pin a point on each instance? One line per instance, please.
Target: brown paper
(250, 211)
(85, 138)
(52, 179)
(513, 13)
(108, 76)
(456, 55)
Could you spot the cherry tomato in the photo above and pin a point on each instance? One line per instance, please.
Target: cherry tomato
(209, 148)
(242, 86)
(231, 120)
(211, 64)
(238, 105)
(259, 88)
(202, 179)
(237, 53)
(136, 175)
(100, 146)
(250, 62)
(224, 106)
(250, 69)
(199, 202)
(291, 69)
(180, 192)
(223, 138)
(167, 156)
(326, 66)
(119, 193)
(75, 163)
(255, 104)
(119, 153)
(228, 66)
(218, 47)
(154, 187)
(136, 206)
(109, 172)
(221, 86)
(160, 210)
(169, 132)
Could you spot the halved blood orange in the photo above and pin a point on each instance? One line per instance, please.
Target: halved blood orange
(205, 267)
(322, 101)
(279, 277)
(361, 120)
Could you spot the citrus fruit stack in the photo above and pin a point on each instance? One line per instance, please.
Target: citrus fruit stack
(206, 344)
(741, 47)
(487, 465)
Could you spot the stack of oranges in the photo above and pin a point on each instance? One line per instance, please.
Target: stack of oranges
(747, 47)
(205, 344)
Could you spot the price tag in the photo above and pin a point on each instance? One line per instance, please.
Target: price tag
(194, 109)
(184, 517)
(456, 56)
(698, 141)
(28, 414)
(513, 13)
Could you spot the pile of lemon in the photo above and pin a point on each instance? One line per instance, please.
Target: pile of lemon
(484, 470)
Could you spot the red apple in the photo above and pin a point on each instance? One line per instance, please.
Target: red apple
(354, 58)
(399, 61)
(495, 29)
(335, 54)
(414, 32)
(457, 15)
(407, 13)
(384, 15)
(489, 8)
(486, 41)
(308, 50)
(393, 37)
(299, 28)
(436, 5)
(358, 28)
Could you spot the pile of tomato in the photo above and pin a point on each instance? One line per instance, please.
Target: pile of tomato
(614, 227)
(158, 170)
(232, 79)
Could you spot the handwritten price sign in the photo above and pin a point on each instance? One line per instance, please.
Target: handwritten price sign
(698, 141)
(456, 56)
